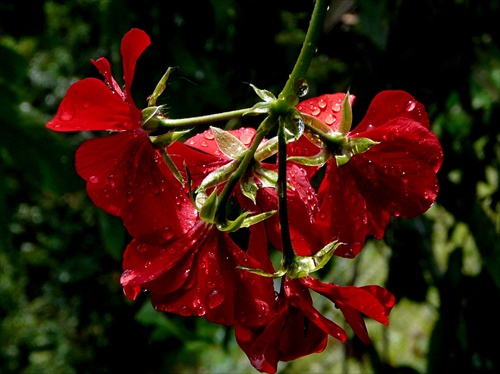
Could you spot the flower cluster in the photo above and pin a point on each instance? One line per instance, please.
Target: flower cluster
(184, 195)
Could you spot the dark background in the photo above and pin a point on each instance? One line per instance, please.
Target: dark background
(61, 305)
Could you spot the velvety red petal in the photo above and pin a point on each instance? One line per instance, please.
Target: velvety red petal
(303, 210)
(343, 215)
(298, 295)
(133, 45)
(399, 174)
(198, 275)
(127, 177)
(198, 164)
(388, 105)
(290, 335)
(261, 344)
(90, 105)
(144, 263)
(102, 64)
(327, 108)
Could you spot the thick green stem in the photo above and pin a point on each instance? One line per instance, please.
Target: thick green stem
(261, 133)
(201, 120)
(308, 48)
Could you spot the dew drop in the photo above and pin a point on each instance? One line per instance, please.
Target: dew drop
(93, 179)
(167, 233)
(330, 119)
(128, 276)
(209, 135)
(336, 108)
(141, 248)
(303, 89)
(322, 104)
(204, 144)
(315, 110)
(246, 137)
(66, 115)
(410, 105)
(147, 264)
(214, 299)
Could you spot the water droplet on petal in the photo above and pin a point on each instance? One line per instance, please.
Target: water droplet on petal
(322, 104)
(336, 107)
(209, 135)
(93, 179)
(330, 119)
(204, 144)
(128, 276)
(167, 233)
(214, 299)
(410, 105)
(315, 110)
(246, 136)
(142, 248)
(66, 115)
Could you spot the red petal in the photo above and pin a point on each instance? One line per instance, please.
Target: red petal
(343, 215)
(327, 108)
(399, 174)
(388, 105)
(90, 105)
(133, 45)
(127, 177)
(298, 296)
(102, 64)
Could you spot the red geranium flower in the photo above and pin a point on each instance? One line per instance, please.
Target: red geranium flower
(299, 329)
(396, 177)
(126, 176)
(302, 200)
(198, 275)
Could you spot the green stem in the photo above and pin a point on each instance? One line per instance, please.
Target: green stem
(286, 241)
(261, 133)
(308, 48)
(299, 71)
(193, 121)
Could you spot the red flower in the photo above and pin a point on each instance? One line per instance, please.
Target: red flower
(126, 176)
(396, 177)
(197, 275)
(302, 200)
(299, 329)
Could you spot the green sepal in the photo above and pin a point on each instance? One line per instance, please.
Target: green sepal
(244, 221)
(248, 187)
(229, 144)
(267, 177)
(346, 121)
(171, 165)
(265, 95)
(353, 147)
(294, 126)
(301, 266)
(160, 87)
(216, 177)
(266, 149)
(316, 124)
(164, 140)
(150, 120)
(209, 207)
(317, 160)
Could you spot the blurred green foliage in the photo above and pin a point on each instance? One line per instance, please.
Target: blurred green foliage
(61, 306)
